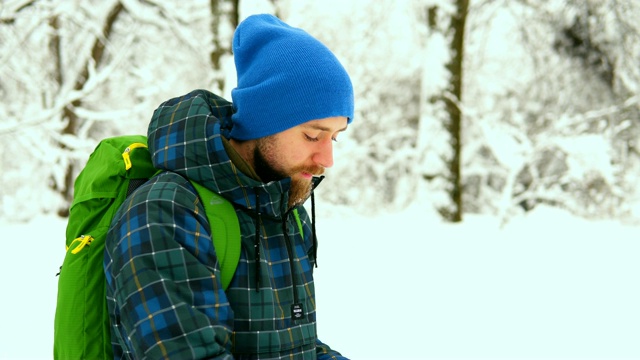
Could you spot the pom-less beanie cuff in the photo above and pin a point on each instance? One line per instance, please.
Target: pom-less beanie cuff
(286, 77)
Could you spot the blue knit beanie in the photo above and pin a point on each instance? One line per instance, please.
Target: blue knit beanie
(286, 77)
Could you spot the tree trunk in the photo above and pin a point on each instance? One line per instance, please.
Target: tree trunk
(71, 118)
(221, 47)
(450, 99)
(453, 106)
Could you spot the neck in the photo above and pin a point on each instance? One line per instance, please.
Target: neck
(244, 149)
(241, 154)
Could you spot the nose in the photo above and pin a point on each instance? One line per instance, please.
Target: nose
(324, 154)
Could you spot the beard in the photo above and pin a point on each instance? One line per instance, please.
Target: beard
(268, 166)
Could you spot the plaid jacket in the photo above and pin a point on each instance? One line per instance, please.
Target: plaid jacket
(164, 293)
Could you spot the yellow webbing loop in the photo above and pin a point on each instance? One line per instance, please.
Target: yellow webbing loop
(83, 240)
(125, 154)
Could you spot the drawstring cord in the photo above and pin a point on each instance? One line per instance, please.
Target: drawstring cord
(313, 230)
(256, 245)
(316, 181)
(290, 251)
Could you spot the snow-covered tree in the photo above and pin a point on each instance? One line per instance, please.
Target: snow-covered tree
(442, 104)
(547, 111)
(75, 72)
(559, 125)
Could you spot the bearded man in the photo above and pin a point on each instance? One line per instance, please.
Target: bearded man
(264, 153)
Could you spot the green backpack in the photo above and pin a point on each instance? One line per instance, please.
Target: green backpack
(115, 168)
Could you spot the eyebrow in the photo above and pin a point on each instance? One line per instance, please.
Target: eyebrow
(323, 128)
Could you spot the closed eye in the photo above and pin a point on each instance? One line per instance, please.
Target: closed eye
(309, 138)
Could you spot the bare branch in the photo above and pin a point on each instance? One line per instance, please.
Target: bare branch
(17, 7)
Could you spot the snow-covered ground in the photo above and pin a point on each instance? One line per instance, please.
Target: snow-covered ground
(407, 286)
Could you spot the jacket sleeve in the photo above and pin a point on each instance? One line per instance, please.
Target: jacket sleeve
(163, 277)
(324, 352)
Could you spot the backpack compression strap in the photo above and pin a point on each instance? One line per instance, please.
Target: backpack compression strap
(225, 231)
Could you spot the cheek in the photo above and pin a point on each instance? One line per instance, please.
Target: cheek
(286, 158)
(296, 154)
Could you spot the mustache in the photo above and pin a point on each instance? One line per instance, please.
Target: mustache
(313, 170)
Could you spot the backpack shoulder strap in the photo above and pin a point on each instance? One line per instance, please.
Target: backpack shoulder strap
(225, 230)
(297, 216)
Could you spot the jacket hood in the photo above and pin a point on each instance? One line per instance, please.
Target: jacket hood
(186, 136)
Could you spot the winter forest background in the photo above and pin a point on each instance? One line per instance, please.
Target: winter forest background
(519, 120)
(488, 107)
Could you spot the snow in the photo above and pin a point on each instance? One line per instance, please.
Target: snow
(405, 285)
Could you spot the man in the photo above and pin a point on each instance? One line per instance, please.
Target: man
(263, 153)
